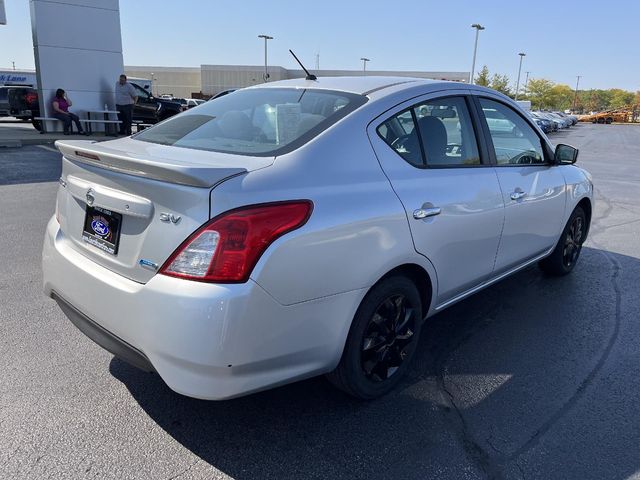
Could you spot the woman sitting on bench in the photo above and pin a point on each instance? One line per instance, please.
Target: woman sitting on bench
(61, 111)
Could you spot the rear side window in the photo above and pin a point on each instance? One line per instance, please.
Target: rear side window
(400, 134)
(255, 121)
(438, 133)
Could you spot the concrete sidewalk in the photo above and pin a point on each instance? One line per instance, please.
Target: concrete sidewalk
(15, 133)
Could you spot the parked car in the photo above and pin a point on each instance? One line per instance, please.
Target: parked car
(4, 101)
(572, 119)
(497, 122)
(564, 122)
(547, 126)
(544, 126)
(23, 103)
(193, 102)
(301, 228)
(150, 109)
(557, 123)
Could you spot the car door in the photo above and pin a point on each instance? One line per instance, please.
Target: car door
(145, 108)
(429, 151)
(533, 189)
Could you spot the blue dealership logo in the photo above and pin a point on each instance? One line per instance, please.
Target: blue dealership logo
(100, 227)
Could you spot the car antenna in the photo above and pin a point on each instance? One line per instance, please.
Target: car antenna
(309, 75)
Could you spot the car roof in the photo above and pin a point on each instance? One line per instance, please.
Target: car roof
(363, 85)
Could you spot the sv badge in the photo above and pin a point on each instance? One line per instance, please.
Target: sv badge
(169, 217)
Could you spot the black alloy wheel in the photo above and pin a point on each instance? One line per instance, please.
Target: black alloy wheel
(567, 251)
(573, 242)
(382, 339)
(389, 332)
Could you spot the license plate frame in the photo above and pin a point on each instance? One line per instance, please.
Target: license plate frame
(102, 228)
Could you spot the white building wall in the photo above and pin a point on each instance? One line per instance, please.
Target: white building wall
(181, 82)
(78, 47)
(216, 78)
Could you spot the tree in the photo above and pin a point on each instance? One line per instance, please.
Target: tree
(500, 83)
(538, 90)
(621, 98)
(560, 97)
(482, 78)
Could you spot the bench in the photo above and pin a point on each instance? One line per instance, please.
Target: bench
(44, 119)
(88, 122)
(105, 122)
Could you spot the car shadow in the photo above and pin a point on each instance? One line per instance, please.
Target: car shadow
(499, 378)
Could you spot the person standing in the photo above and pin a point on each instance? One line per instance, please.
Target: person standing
(61, 104)
(125, 99)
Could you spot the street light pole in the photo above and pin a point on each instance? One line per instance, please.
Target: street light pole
(478, 27)
(575, 97)
(265, 77)
(364, 65)
(522, 55)
(526, 83)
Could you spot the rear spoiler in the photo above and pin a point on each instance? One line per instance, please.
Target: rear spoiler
(194, 174)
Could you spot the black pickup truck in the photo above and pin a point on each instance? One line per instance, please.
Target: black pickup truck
(23, 104)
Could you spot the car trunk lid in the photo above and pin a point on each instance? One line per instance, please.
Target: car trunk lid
(128, 204)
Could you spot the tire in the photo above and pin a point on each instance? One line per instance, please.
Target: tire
(37, 125)
(375, 356)
(564, 257)
(609, 121)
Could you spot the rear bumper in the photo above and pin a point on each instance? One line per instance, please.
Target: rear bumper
(205, 340)
(104, 338)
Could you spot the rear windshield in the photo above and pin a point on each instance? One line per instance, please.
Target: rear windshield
(255, 121)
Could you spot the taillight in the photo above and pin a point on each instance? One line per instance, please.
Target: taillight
(226, 248)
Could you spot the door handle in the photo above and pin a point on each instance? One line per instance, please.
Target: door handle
(517, 195)
(421, 213)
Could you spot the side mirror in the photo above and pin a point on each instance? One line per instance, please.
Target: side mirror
(565, 154)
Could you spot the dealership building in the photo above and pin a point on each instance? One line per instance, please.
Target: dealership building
(85, 58)
(186, 82)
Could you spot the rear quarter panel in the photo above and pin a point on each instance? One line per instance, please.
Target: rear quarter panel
(358, 230)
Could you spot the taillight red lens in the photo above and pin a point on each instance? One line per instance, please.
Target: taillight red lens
(226, 249)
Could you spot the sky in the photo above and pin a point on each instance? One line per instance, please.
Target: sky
(561, 39)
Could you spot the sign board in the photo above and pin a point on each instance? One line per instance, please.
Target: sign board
(13, 77)
(3, 14)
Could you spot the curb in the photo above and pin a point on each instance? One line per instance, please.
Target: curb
(11, 144)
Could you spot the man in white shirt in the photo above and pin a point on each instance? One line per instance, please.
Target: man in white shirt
(125, 99)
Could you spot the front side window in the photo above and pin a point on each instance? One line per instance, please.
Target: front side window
(255, 121)
(515, 142)
(437, 133)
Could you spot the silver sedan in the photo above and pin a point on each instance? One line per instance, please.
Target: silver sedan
(305, 227)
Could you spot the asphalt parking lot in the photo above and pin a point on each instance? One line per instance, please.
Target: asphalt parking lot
(532, 378)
